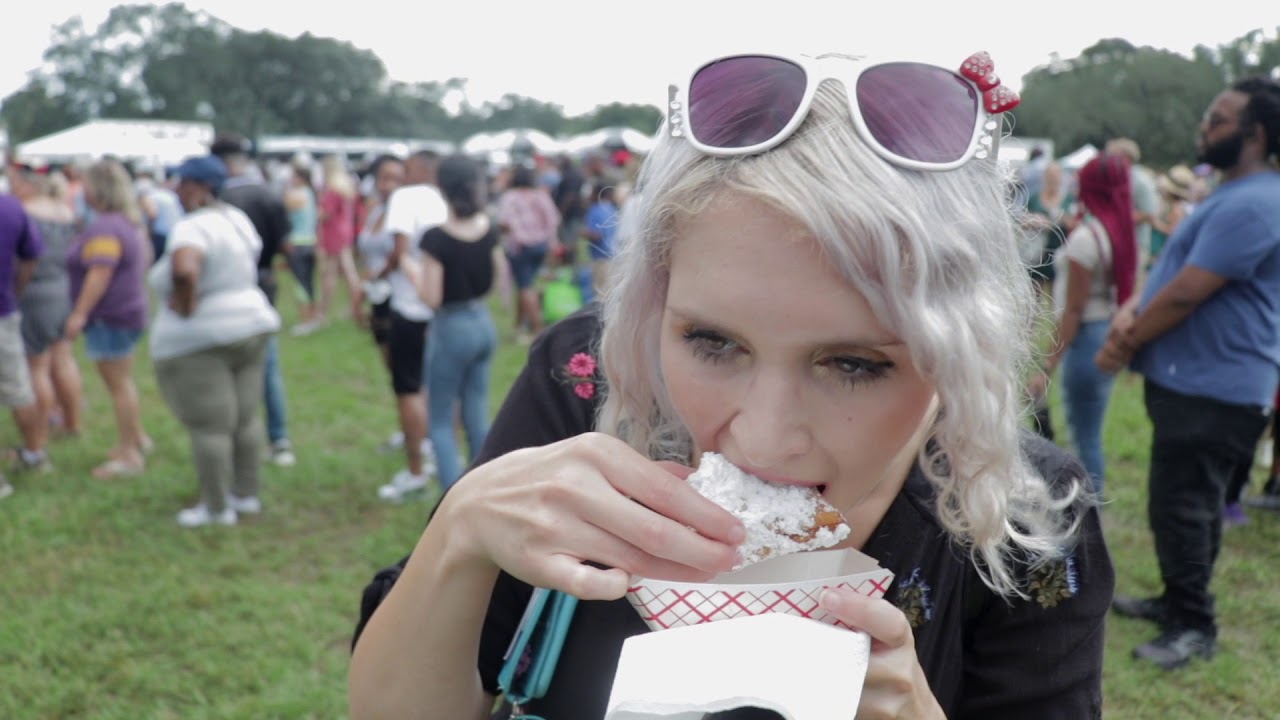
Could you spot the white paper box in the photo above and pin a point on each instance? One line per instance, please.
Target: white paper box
(791, 585)
(687, 672)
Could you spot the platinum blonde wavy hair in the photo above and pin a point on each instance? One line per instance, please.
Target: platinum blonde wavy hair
(934, 253)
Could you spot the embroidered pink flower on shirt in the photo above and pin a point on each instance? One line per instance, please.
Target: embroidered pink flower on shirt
(580, 373)
(584, 366)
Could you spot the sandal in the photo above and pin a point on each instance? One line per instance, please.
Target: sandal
(117, 468)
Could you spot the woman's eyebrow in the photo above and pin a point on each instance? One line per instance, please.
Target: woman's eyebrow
(844, 343)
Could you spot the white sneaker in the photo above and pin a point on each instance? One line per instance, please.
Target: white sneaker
(1265, 455)
(199, 516)
(244, 505)
(428, 458)
(5, 488)
(404, 483)
(393, 443)
(281, 454)
(303, 329)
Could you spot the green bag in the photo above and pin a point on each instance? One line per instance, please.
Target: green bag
(561, 296)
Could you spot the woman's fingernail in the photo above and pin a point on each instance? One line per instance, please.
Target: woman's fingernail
(830, 600)
(737, 534)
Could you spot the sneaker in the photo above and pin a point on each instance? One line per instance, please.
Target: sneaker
(403, 484)
(1233, 515)
(5, 488)
(200, 515)
(23, 460)
(1151, 609)
(393, 443)
(1269, 499)
(281, 454)
(1177, 647)
(244, 505)
(1265, 455)
(428, 458)
(303, 329)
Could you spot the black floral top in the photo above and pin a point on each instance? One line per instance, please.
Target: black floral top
(986, 657)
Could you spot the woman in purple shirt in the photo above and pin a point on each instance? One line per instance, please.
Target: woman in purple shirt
(106, 266)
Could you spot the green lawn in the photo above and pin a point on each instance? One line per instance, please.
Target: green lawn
(109, 610)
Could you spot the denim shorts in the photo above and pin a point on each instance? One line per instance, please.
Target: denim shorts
(108, 342)
(525, 264)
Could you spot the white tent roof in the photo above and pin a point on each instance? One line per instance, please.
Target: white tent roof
(153, 141)
(632, 139)
(322, 145)
(508, 140)
(1078, 158)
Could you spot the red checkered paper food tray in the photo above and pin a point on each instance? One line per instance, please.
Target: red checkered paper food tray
(791, 585)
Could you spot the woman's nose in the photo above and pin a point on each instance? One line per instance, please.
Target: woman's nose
(770, 427)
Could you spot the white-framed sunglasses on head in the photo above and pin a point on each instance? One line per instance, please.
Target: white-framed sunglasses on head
(913, 114)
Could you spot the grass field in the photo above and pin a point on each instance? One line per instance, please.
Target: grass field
(108, 610)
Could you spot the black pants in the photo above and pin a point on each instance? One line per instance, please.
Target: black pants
(1197, 446)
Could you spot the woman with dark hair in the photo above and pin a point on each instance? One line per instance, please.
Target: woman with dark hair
(1096, 270)
(529, 220)
(460, 261)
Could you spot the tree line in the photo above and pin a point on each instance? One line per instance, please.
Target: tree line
(1157, 97)
(168, 62)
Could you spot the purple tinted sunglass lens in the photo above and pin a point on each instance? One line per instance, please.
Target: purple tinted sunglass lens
(743, 101)
(919, 112)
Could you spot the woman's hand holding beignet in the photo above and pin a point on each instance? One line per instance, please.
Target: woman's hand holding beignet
(541, 513)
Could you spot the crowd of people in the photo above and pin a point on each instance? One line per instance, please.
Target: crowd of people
(418, 241)
(1174, 276)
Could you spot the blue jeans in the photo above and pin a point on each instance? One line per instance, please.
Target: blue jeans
(273, 390)
(1086, 390)
(460, 349)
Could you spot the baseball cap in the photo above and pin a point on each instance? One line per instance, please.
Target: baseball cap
(205, 169)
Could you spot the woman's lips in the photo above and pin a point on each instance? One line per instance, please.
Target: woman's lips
(780, 479)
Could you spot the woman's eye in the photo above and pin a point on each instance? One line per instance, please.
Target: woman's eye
(709, 345)
(855, 370)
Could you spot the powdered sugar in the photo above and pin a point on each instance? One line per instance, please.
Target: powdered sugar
(779, 519)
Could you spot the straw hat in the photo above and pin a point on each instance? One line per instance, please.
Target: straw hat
(1177, 182)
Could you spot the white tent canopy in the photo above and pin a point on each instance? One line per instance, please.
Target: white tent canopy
(159, 142)
(511, 142)
(349, 146)
(1078, 158)
(611, 138)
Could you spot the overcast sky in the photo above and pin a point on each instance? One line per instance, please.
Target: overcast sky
(580, 54)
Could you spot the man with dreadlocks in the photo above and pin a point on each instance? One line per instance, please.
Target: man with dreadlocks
(1205, 334)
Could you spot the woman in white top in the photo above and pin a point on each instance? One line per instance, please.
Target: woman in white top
(209, 342)
(1095, 272)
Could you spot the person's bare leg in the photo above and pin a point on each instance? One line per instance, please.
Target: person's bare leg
(413, 423)
(351, 278)
(41, 368)
(33, 426)
(68, 385)
(328, 284)
(118, 375)
(529, 303)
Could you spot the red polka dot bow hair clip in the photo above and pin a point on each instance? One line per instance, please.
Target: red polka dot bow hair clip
(981, 69)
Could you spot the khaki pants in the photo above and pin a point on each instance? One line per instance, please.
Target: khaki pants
(215, 393)
(15, 377)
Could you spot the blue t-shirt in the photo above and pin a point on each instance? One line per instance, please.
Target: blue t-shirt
(602, 220)
(1228, 348)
